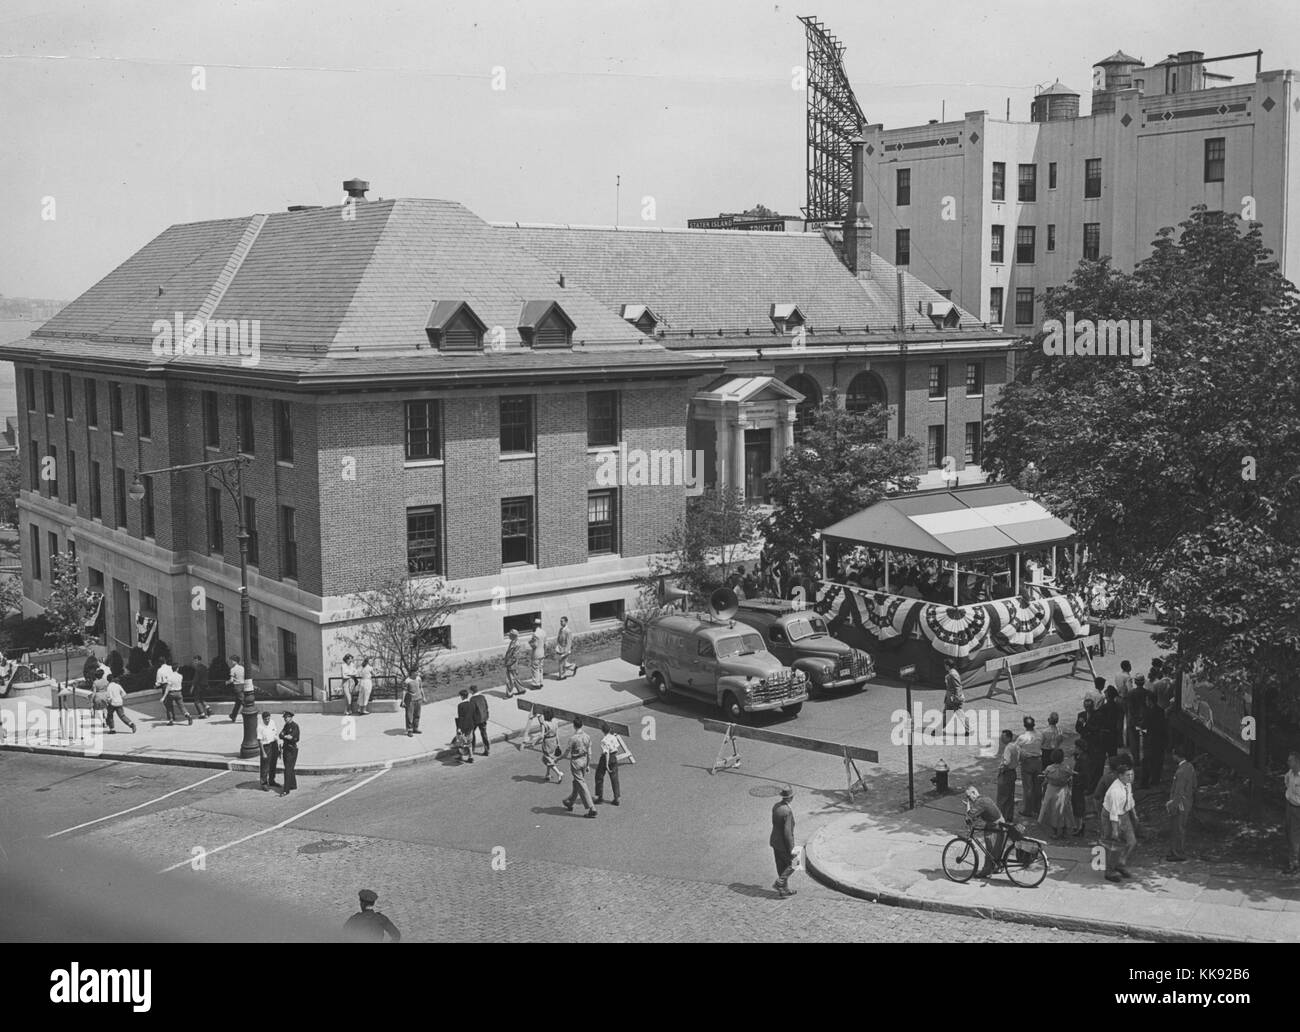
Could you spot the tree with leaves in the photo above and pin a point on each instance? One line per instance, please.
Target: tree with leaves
(699, 553)
(10, 484)
(66, 609)
(400, 623)
(1184, 473)
(842, 463)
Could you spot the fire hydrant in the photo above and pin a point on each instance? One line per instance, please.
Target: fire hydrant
(940, 779)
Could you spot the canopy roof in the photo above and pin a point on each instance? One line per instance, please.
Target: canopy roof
(959, 523)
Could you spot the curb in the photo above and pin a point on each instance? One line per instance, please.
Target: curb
(1069, 924)
(252, 766)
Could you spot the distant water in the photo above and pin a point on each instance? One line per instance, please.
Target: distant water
(11, 330)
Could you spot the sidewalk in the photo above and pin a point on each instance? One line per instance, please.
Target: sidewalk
(895, 859)
(330, 744)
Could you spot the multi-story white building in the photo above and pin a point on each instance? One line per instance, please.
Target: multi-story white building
(996, 211)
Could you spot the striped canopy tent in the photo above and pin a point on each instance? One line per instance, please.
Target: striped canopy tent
(952, 524)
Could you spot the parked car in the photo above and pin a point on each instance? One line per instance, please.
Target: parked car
(719, 660)
(800, 639)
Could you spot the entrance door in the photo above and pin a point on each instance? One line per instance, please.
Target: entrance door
(217, 629)
(758, 463)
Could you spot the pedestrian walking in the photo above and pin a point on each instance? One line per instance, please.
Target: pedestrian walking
(117, 705)
(1182, 798)
(289, 737)
(268, 740)
(782, 842)
(1291, 783)
(1119, 817)
(465, 720)
(369, 925)
(365, 685)
(1030, 746)
(172, 700)
(511, 660)
(1008, 766)
(200, 689)
(480, 717)
(954, 697)
(348, 672)
(413, 700)
(236, 683)
(579, 760)
(538, 644)
(551, 751)
(611, 749)
(564, 647)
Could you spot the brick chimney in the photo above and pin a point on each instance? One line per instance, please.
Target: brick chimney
(356, 188)
(857, 223)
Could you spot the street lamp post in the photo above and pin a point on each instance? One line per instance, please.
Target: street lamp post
(229, 473)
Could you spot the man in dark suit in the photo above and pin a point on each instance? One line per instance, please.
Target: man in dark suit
(782, 842)
(1182, 797)
(480, 717)
(466, 718)
(200, 687)
(289, 735)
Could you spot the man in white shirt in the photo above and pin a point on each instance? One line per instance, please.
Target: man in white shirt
(1030, 746)
(236, 683)
(116, 704)
(171, 682)
(268, 739)
(1007, 767)
(610, 747)
(1120, 827)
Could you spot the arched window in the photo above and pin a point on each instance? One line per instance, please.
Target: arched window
(865, 390)
(812, 397)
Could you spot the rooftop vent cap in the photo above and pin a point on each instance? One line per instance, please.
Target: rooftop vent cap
(356, 188)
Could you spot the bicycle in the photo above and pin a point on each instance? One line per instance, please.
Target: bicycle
(1024, 859)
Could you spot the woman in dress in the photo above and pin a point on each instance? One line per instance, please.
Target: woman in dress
(366, 677)
(1057, 812)
(349, 682)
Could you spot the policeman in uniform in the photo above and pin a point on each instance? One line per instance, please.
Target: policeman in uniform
(289, 735)
(782, 842)
(369, 925)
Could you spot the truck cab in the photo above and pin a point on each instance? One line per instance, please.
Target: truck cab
(799, 638)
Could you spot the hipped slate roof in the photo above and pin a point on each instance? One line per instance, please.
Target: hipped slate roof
(710, 280)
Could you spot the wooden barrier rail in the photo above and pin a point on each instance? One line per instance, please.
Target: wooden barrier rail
(848, 753)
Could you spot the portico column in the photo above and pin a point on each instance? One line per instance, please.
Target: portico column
(738, 456)
(722, 451)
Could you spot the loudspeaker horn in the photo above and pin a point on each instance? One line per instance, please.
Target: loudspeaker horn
(723, 604)
(669, 594)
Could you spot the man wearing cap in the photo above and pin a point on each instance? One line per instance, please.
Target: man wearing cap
(289, 736)
(782, 842)
(982, 808)
(369, 925)
(513, 687)
(538, 642)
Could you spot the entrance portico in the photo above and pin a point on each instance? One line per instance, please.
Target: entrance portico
(744, 425)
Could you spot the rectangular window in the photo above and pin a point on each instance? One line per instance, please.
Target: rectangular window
(423, 440)
(599, 612)
(143, 414)
(35, 534)
(288, 542)
(283, 431)
(602, 523)
(974, 379)
(937, 386)
(436, 637)
(934, 446)
(29, 388)
(517, 424)
(974, 439)
(244, 424)
(119, 496)
(72, 550)
(34, 466)
(115, 407)
(54, 470)
(904, 187)
(289, 653)
(1092, 240)
(211, 421)
(47, 382)
(1051, 175)
(995, 306)
(1092, 177)
(92, 403)
(67, 395)
(1028, 183)
(602, 418)
(521, 622)
(1215, 152)
(1051, 236)
(250, 525)
(147, 506)
(1024, 306)
(946, 293)
(516, 530)
(72, 477)
(54, 554)
(254, 656)
(96, 492)
(996, 250)
(999, 180)
(216, 529)
(1025, 245)
(424, 539)
(903, 247)
(148, 605)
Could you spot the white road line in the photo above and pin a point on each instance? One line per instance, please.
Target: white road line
(284, 823)
(120, 813)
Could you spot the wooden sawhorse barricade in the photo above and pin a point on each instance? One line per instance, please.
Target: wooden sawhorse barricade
(1003, 664)
(855, 779)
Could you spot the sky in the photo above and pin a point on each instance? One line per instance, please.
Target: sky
(691, 103)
